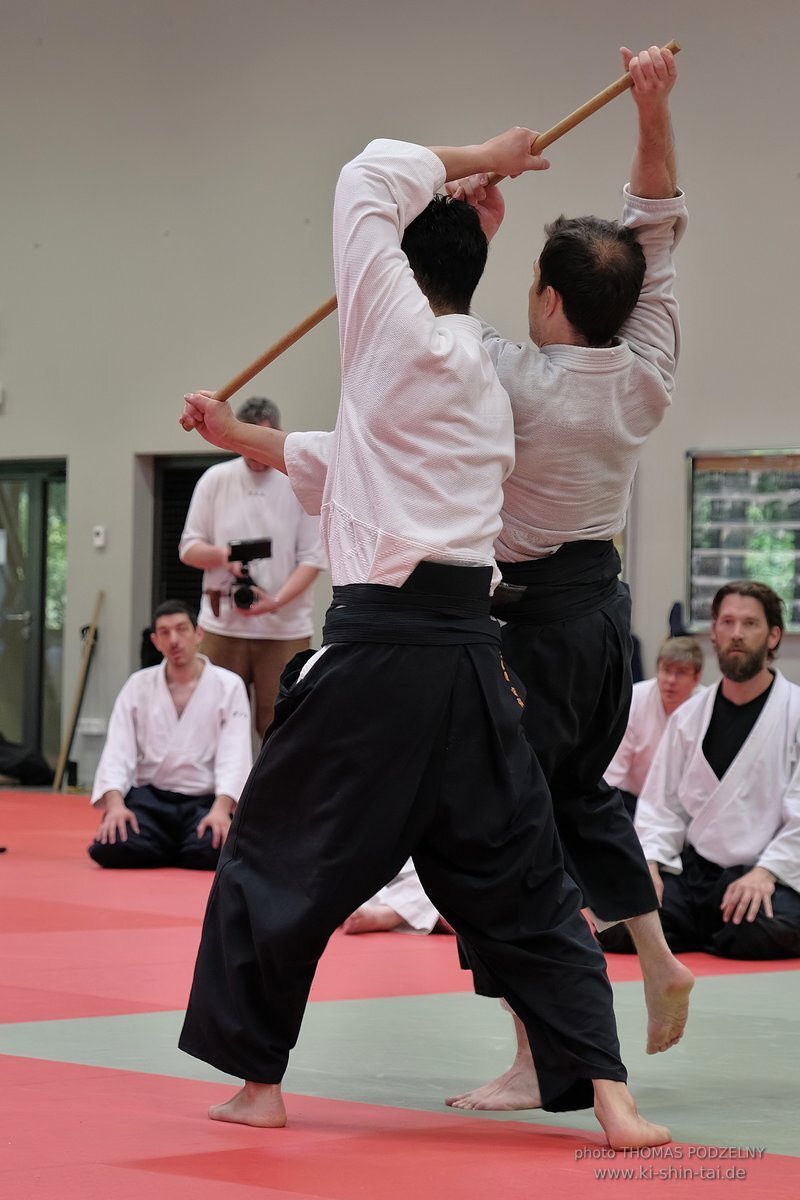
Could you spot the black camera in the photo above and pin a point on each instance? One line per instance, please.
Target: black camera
(245, 552)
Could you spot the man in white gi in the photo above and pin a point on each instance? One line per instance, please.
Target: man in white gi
(423, 749)
(177, 755)
(678, 670)
(719, 815)
(238, 501)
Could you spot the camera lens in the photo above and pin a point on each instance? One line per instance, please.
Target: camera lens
(243, 596)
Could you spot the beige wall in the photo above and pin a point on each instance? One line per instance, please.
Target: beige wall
(168, 167)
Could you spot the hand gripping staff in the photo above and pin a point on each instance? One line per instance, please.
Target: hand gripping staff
(540, 143)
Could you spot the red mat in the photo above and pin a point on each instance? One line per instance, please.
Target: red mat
(93, 1132)
(80, 941)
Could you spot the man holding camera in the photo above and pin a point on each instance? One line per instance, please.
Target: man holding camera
(256, 611)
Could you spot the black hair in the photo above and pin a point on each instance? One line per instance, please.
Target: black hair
(170, 608)
(447, 250)
(597, 268)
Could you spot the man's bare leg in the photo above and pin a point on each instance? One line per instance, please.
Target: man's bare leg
(258, 1104)
(516, 1088)
(667, 983)
(373, 918)
(616, 1111)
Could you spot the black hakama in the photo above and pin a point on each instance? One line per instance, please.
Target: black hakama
(403, 738)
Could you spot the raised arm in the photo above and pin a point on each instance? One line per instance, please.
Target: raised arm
(508, 154)
(474, 186)
(215, 421)
(653, 173)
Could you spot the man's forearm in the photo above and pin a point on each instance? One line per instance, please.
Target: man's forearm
(301, 578)
(259, 442)
(654, 173)
(205, 556)
(507, 154)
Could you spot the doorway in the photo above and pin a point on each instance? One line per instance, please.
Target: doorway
(175, 477)
(33, 570)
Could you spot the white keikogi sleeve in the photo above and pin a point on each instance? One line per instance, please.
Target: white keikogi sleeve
(307, 456)
(618, 772)
(661, 821)
(652, 330)
(116, 770)
(234, 756)
(308, 546)
(199, 523)
(782, 855)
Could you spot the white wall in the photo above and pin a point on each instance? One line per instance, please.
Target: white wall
(167, 173)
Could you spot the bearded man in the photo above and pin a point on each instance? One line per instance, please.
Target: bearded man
(719, 814)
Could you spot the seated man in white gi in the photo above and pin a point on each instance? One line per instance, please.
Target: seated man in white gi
(176, 757)
(719, 815)
(678, 670)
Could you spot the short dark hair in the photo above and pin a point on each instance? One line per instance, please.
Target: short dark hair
(170, 608)
(259, 411)
(769, 600)
(597, 268)
(447, 250)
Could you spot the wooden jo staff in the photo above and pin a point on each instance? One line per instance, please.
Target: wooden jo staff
(69, 731)
(541, 143)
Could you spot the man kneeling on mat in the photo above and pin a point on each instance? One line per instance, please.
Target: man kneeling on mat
(719, 814)
(177, 755)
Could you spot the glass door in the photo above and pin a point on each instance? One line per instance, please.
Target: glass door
(32, 578)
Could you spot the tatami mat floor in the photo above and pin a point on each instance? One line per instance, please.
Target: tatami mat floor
(98, 1102)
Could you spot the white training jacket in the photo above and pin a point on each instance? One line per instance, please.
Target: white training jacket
(751, 816)
(207, 750)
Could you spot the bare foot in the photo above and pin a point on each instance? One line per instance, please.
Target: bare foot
(667, 983)
(258, 1104)
(516, 1088)
(616, 1111)
(666, 994)
(372, 918)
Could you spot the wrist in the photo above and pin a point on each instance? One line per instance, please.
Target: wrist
(223, 805)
